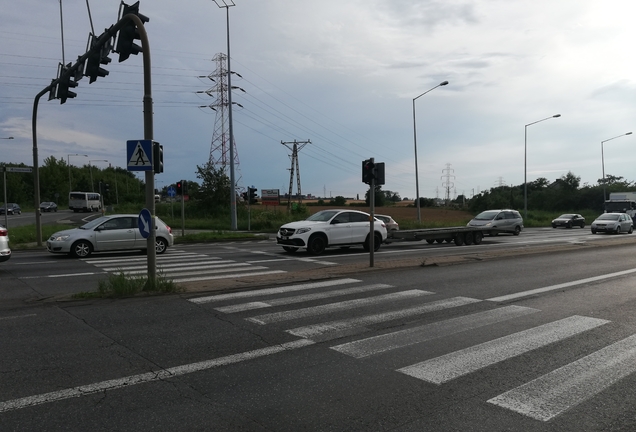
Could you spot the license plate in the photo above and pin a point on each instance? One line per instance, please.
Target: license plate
(285, 238)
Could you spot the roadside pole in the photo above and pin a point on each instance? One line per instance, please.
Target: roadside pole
(371, 217)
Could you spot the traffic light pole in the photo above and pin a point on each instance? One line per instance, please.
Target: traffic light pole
(371, 218)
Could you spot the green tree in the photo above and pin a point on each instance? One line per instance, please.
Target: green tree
(379, 196)
(215, 190)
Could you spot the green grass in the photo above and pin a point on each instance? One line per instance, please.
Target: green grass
(23, 236)
(121, 285)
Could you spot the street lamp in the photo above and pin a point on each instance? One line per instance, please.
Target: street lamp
(90, 168)
(417, 180)
(227, 4)
(525, 164)
(7, 138)
(68, 161)
(603, 161)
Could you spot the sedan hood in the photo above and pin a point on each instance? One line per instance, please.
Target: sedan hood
(480, 222)
(65, 232)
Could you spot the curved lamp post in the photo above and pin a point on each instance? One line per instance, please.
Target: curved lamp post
(603, 161)
(7, 138)
(525, 164)
(90, 168)
(417, 180)
(68, 161)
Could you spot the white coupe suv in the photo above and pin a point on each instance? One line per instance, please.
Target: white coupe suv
(331, 228)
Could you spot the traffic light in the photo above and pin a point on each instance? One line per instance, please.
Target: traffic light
(65, 84)
(179, 188)
(252, 195)
(128, 33)
(367, 171)
(379, 173)
(184, 185)
(106, 189)
(157, 157)
(97, 56)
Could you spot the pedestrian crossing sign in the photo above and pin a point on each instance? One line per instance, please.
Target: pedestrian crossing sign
(139, 155)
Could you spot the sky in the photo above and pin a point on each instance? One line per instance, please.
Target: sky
(343, 75)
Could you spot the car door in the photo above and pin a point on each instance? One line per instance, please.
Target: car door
(116, 234)
(340, 229)
(360, 227)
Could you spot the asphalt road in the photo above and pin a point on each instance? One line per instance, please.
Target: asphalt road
(533, 342)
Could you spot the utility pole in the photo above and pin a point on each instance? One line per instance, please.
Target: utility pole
(296, 146)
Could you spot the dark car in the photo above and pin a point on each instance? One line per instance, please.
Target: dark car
(48, 206)
(569, 220)
(10, 208)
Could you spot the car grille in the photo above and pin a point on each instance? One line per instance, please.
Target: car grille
(286, 232)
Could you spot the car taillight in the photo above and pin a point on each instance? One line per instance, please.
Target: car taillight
(4, 233)
(169, 229)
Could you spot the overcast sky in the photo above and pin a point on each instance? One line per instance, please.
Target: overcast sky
(342, 74)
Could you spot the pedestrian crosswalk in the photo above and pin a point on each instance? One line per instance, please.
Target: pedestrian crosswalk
(318, 313)
(180, 266)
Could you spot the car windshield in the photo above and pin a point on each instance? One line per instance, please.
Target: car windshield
(487, 215)
(566, 216)
(92, 224)
(608, 216)
(323, 216)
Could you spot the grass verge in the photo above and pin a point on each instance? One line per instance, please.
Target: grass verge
(120, 285)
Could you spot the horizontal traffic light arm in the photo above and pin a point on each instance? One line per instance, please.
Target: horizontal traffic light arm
(71, 70)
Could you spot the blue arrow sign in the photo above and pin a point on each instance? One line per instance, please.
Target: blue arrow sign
(144, 222)
(172, 192)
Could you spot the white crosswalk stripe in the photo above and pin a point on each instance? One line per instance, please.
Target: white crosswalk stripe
(542, 399)
(386, 342)
(450, 366)
(180, 266)
(550, 395)
(333, 307)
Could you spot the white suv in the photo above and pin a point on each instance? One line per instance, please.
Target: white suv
(331, 228)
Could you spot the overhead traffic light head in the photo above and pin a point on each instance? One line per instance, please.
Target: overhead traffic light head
(98, 55)
(179, 188)
(65, 84)
(128, 33)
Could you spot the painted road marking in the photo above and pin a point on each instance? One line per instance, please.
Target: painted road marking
(335, 307)
(386, 342)
(453, 365)
(234, 275)
(270, 291)
(334, 328)
(161, 374)
(301, 298)
(559, 286)
(550, 395)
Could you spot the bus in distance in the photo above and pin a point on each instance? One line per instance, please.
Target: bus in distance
(84, 201)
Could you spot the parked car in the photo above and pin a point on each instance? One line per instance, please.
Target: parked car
(391, 225)
(569, 220)
(613, 223)
(108, 233)
(331, 228)
(48, 206)
(501, 221)
(10, 209)
(5, 251)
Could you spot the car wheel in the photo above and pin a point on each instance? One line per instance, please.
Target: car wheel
(618, 230)
(377, 241)
(316, 245)
(81, 249)
(631, 230)
(430, 241)
(477, 237)
(583, 225)
(568, 225)
(161, 245)
(593, 231)
(290, 249)
(439, 240)
(553, 226)
(517, 230)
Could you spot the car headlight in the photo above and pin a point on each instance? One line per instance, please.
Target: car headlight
(488, 224)
(303, 230)
(60, 238)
